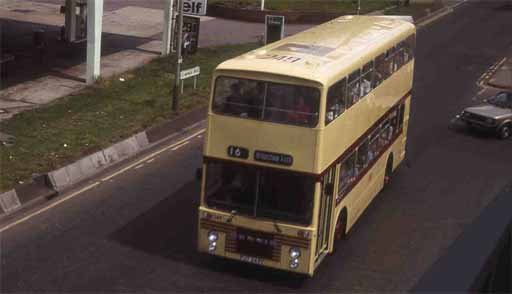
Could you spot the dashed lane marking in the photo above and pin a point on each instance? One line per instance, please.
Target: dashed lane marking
(139, 166)
(149, 157)
(151, 160)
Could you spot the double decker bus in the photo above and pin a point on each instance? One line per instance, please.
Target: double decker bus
(302, 134)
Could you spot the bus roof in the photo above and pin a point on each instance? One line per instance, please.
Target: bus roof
(320, 53)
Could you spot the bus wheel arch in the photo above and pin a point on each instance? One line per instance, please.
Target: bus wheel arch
(340, 230)
(389, 169)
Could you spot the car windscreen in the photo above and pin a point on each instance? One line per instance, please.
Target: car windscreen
(501, 100)
(267, 101)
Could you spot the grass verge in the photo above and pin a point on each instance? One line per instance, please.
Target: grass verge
(341, 6)
(90, 120)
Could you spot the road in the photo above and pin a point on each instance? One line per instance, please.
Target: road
(137, 231)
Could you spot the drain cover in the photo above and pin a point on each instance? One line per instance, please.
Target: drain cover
(22, 10)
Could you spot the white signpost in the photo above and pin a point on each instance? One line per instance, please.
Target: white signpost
(194, 7)
(191, 72)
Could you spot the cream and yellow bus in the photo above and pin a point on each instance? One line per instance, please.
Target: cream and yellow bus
(302, 134)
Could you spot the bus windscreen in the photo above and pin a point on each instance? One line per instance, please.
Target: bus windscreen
(260, 192)
(267, 101)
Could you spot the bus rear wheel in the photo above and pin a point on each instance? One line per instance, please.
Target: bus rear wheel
(340, 230)
(389, 170)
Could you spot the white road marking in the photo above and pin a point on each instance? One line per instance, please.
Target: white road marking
(151, 160)
(432, 19)
(151, 157)
(49, 206)
(139, 166)
(179, 146)
(200, 136)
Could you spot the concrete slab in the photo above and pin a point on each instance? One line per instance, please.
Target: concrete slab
(502, 78)
(127, 147)
(40, 91)
(142, 139)
(9, 201)
(133, 21)
(59, 178)
(29, 11)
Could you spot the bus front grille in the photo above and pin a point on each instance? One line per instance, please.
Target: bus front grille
(243, 241)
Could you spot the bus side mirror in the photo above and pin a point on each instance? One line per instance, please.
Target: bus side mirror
(329, 189)
(199, 174)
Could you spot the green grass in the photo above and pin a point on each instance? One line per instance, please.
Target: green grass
(71, 127)
(341, 6)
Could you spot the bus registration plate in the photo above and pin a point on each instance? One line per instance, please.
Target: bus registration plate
(251, 259)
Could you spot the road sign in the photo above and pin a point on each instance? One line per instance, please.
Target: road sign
(190, 72)
(274, 28)
(195, 7)
(191, 25)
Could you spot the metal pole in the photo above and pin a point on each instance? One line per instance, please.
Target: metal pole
(70, 20)
(262, 4)
(179, 59)
(94, 28)
(358, 7)
(167, 28)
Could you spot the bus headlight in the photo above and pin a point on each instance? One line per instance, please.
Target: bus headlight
(294, 253)
(212, 246)
(213, 236)
(294, 263)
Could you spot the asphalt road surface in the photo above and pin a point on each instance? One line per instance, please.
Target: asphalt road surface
(137, 231)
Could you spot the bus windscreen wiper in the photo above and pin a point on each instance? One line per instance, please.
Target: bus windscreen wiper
(276, 226)
(232, 215)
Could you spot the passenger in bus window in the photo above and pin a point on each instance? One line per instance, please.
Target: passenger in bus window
(347, 173)
(234, 101)
(255, 100)
(301, 113)
(366, 85)
(354, 92)
(362, 157)
(384, 136)
(275, 111)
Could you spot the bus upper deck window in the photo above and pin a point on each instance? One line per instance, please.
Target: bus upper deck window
(266, 101)
(336, 101)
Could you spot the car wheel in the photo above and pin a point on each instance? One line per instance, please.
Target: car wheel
(504, 131)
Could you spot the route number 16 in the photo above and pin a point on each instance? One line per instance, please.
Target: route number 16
(238, 152)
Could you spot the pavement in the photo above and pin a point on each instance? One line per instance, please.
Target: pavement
(502, 77)
(133, 228)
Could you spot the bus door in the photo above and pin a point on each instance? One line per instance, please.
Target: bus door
(325, 213)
